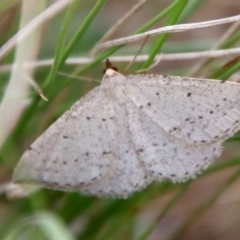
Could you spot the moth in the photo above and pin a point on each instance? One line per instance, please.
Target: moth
(131, 131)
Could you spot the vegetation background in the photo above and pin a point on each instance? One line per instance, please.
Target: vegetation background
(205, 208)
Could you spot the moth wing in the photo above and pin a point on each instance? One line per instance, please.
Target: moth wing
(162, 156)
(191, 110)
(74, 151)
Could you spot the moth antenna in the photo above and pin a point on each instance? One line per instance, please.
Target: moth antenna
(133, 60)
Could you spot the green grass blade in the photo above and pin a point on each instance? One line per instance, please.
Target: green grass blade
(60, 46)
(79, 34)
(159, 43)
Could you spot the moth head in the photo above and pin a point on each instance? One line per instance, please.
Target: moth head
(110, 71)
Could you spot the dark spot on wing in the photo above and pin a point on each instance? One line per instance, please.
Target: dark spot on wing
(65, 136)
(88, 118)
(104, 119)
(211, 112)
(149, 104)
(227, 130)
(189, 94)
(105, 152)
(174, 129)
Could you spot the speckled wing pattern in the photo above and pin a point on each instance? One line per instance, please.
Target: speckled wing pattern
(131, 131)
(73, 152)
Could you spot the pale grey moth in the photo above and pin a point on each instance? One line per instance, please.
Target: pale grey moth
(132, 130)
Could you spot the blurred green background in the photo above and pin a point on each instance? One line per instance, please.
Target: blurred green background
(207, 207)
